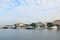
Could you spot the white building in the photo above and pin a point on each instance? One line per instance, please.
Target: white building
(39, 24)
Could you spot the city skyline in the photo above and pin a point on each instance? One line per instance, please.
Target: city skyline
(27, 11)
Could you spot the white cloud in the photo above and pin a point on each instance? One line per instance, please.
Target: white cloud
(29, 10)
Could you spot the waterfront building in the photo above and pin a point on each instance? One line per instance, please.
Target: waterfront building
(39, 24)
(57, 23)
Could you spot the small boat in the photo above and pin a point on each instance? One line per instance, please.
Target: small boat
(38, 28)
(29, 27)
(54, 28)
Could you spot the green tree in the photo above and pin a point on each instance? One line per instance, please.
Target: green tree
(33, 24)
(50, 24)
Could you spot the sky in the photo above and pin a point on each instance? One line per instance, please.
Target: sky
(28, 11)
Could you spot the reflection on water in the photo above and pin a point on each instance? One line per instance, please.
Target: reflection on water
(24, 34)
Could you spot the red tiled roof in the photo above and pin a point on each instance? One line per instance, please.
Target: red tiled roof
(57, 21)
